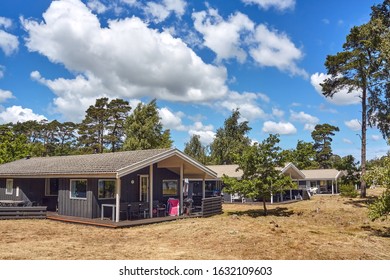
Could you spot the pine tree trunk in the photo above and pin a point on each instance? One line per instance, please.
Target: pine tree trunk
(364, 140)
(265, 207)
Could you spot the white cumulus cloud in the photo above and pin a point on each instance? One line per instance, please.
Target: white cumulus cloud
(347, 141)
(5, 22)
(275, 49)
(206, 132)
(277, 112)
(19, 114)
(97, 6)
(308, 120)
(282, 128)
(376, 137)
(246, 103)
(353, 124)
(126, 59)
(5, 94)
(277, 4)
(342, 97)
(159, 12)
(224, 37)
(8, 43)
(170, 120)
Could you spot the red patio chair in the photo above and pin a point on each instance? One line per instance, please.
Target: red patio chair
(173, 207)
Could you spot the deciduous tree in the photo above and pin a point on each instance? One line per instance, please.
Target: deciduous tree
(260, 178)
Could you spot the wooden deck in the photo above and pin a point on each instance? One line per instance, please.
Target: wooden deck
(110, 224)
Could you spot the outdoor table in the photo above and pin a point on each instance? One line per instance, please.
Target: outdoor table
(113, 206)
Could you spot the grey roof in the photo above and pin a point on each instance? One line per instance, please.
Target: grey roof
(229, 170)
(322, 174)
(79, 164)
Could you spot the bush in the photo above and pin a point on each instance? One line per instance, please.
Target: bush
(380, 209)
(348, 190)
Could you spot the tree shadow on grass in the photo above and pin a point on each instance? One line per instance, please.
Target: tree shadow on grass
(254, 213)
(385, 232)
(361, 203)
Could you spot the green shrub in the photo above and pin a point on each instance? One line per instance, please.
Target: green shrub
(380, 209)
(348, 190)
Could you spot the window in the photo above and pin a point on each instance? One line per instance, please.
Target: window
(78, 189)
(9, 188)
(170, 187)
(51, 187)
(106, 189)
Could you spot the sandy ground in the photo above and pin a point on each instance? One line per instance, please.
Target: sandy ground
(325, 227)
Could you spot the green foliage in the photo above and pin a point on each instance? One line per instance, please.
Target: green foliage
(230, 140)
(379, 175)
(303, 156)
(364, 66)
(323, 144)
(144, 130)
(260, 177)
(12, 146)
(103, 125)
(380, 209)
(348, 190)
(196, 150)
(351, 169)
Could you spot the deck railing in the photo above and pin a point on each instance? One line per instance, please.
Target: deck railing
(23, 212)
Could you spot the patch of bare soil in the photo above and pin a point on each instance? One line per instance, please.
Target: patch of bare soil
(325, 227)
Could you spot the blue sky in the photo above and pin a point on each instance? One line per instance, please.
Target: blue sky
(200, 59)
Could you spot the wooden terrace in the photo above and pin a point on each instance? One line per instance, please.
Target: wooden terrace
(108, 223)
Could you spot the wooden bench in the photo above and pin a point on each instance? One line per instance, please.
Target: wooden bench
(32, 212)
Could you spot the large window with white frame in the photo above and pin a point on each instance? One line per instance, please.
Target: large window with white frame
(106, 189)
(52, 186)
(9, 186)
(78, 189)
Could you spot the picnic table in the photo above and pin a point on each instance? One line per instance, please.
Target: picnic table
(11, 202)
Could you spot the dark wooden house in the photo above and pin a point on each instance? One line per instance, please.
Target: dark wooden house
(80, 185)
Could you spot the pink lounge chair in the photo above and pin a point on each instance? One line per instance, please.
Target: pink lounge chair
(173, 207)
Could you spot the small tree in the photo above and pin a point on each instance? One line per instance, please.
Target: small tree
(260, 179)
(380, 176)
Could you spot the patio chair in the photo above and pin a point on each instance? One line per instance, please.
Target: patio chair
(124, 208)
(144, 209)
(133, 210)
(173, 207)
(159, 208)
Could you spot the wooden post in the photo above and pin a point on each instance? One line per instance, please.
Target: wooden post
(151, 191)
(332, 187)
(181, 188)
(118, 198)
(204, 186)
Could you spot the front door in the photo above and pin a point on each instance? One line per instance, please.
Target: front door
(144, 188)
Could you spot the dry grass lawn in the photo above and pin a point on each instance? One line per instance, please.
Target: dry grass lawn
(325, 227)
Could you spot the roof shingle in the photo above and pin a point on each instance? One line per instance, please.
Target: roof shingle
(78, 164)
